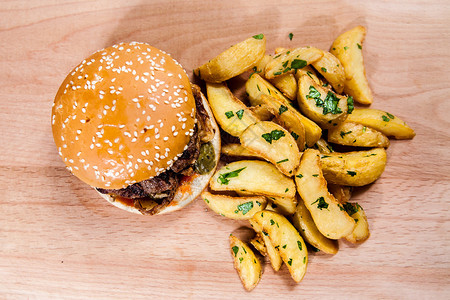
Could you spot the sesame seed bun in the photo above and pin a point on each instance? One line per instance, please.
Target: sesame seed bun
(187, 191)
(124, 115)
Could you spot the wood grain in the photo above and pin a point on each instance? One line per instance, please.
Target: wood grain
(58, 240)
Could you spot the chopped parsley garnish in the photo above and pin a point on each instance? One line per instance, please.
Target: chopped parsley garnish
(342, 134)
(282, 109)
(351, 208)
(273, 135)
(298, 64)
(291, 35)
(285, 64)
(340, 207)
(359, 45)
(351, 173)
(240, 113)
(321, 203)
(299, 176)
(390, 116)
(345, 48)
(277, 73)
(309, 74)
(350, 105)
(229, 114)
(283, 160)
(223, 178)
(386, 119)
(286, 190)
(284, 246)
(241, 259)
(258, 36)
(257, 86)
(325, 84)
(294, 135)
(329, 104)
(371, 154)
(324, 69)
(299, 244)
(325, 156)
(265, 233)
(235, 250)
(259, 203)
(272, 222)
(206, 200)
(245, 207)
(304, 259)
(364, 129)
(245, 251)
(330, 148)
(315, 175)
(290, 262)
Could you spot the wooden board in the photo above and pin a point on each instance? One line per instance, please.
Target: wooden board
(58, 239)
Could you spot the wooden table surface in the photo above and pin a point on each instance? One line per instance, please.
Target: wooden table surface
(59, 240)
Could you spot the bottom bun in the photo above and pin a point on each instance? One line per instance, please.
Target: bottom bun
(189, 189)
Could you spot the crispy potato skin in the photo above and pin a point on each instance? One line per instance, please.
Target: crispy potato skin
(357, 135)
(328, 214)
(246, 263)
(283, 152)
(269, 181)
(233, 61)
(355, 168)
(383, 122)
(232, 115)
(348, 49)
(238, 208)
(332, 70)
(286, 240)
(304, 223)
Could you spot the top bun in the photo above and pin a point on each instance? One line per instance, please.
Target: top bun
(124, 115)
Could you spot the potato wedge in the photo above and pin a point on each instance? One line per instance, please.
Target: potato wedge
(282, 205)
(286, 240)
(332, 70)
(239, 208)
(245, 262)
(340, 192)
(287, 84)
(328, 215)
(261, 65)
(361, 231)
(323, 146)
(321, 105)
(304, 223)
(259, 177)
(256, 85)
(383, 122)
(286, 116)
(291, 60)
(233, 61)
(348, 49)
(274, 143)
(308, 70)
(262, 112)
(272, 253)
(357, 135)
(232, 115)
(258, 243)
(238, 150)
(355, 168)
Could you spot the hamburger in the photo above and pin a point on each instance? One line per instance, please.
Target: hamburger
(128, 122)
